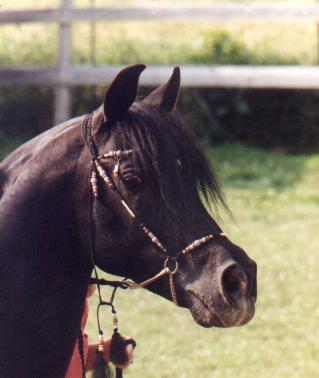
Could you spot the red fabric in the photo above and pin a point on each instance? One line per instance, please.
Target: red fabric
(75, 365)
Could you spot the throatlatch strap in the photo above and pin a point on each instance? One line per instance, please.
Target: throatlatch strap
(115, 284)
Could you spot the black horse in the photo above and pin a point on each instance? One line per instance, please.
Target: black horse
(47, 217)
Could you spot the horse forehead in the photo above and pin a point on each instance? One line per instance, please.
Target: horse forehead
(112, 142)
(107, 143)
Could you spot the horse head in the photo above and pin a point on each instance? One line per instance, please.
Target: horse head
(164, 180)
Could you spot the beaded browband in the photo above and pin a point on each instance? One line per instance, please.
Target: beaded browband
(171, 262)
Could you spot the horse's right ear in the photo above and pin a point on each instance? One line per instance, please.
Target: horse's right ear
(122, 92)
(166, 95)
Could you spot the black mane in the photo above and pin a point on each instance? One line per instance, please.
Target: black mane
(161, 142)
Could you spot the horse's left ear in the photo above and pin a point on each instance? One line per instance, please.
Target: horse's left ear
(166, 95)
(122, 92)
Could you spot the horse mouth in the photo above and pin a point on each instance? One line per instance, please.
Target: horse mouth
(222, 317)
(201, 313)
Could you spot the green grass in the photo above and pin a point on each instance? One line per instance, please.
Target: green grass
(275, 200)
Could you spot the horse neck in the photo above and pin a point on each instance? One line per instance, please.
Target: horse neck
(47, 270)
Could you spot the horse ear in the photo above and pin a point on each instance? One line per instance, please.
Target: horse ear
(166, 95)
(122, 91)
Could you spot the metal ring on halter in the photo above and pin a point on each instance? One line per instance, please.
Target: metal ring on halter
(167, 261)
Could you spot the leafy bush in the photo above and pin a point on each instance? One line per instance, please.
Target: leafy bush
(25, 111)
(223, 47)
(272, 119)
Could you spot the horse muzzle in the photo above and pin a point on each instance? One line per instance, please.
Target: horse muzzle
(225, 301)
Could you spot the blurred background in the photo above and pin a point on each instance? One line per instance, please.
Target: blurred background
(259, 128)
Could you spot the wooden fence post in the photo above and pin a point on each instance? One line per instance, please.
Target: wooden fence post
(62, 94)
(93, 38)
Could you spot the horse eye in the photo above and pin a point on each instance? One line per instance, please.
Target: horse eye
(132, 181)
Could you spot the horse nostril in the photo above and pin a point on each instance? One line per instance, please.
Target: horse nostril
(234, 282)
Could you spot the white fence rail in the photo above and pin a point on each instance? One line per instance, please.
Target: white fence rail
(64, 74)
(289, 77)
(212, 12)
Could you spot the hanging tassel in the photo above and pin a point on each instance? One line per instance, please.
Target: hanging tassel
(117, 349)
(118, 354)
(101, 368)
(118, 345)
(118, 373)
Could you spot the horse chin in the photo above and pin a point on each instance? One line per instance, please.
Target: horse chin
(202, 315)
(205, 316)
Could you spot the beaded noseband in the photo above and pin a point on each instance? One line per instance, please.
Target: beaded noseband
(171, 262)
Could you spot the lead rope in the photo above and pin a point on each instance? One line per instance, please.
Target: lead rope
(118, 344)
